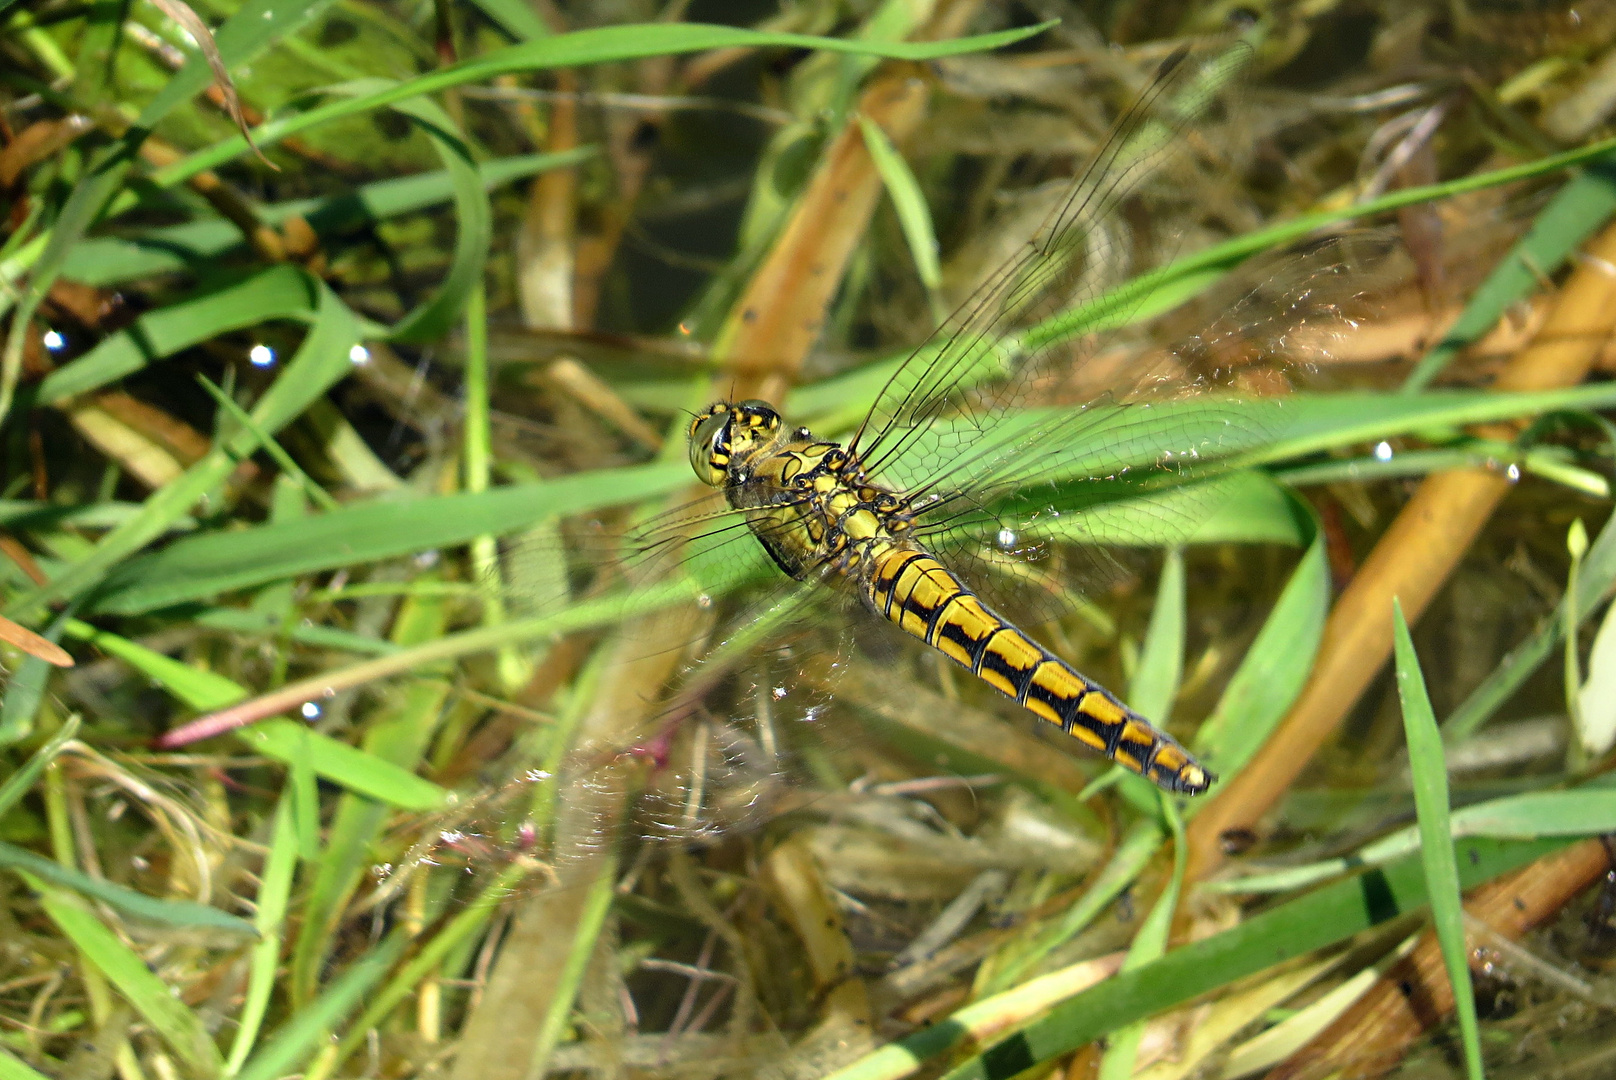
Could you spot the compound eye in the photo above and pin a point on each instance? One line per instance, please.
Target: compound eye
(759, 413)
(709, 448)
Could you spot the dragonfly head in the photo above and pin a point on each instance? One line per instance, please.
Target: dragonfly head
(727, 431)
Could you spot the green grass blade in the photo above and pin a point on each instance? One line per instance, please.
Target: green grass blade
(1319, 919)
(199, 689)
(344, 765)
(269, 918)
(1576, 213)
(1430, 774)
(177, 1025)
(1274, 669)
(913, 214)
(320, 361)
(599, 45)
(281, 291)
(1139, 845)
(205, 565)
(517, 17)
(1149, 944)
(1586, 811)
(1161, 660)
(400, 736)
(474, 217)
(105, 261)
(20, 782)
(14, 1068)
(169, 912)
(1595, 579)
(316, 494)
(310, 1027)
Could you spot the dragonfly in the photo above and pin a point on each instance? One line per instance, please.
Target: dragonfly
(965, 495)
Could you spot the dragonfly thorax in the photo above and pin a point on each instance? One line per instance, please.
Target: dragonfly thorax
(808, 502)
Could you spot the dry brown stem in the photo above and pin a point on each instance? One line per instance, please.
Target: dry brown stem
(1410, 563)
(1414, 994)
(778, 318)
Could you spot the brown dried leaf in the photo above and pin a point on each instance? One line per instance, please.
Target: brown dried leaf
(181, 13)
(32, 644)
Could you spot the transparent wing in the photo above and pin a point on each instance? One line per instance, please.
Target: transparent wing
(1065, 261)
(1147, 471)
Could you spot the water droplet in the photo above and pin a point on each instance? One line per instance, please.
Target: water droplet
(1007, 539)
(1513, 472)
(54, 341)
(1383, 451)
(310, 711)
(359, 354)
(261, 355)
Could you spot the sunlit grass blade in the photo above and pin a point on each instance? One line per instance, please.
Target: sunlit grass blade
(269, 916)
(1273, 671)
(20, 781)
(198, 688)
(1586, 811)
(1575, 214)
(1430, 774)
(171, 912)
(1321, 918)
(309, 1028)
(347, 766)
(913, 214)
(178, 1026)
(1149, 944)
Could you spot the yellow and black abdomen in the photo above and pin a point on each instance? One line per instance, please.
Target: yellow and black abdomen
(911, 588)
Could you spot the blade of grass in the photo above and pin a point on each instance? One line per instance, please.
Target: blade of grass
(1430, 774)
(1149, 944)
(207, 564)
(199, 689)
(477, 463)
(1321, 918)
(20, 782)
(105, 261)
(269, 918)
(321, 360)
(600, 611)
(1595, 580)
(309, 1028)
(913, 214)
(570, 978)
(177, 1025)
(14, 1068)
(317, 494)
(474, 221)
(347, 766)
(1585, 811)
(1575, 214)
(599, 45)
(400, 736)
(1273, 670)
(171, 912)
(1139, 845)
